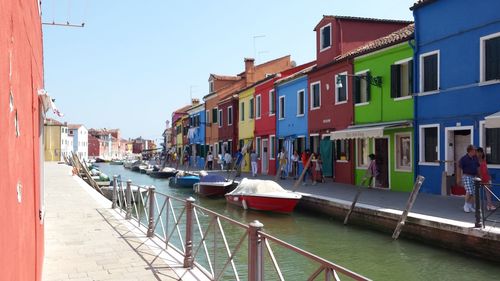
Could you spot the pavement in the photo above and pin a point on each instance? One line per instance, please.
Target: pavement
(86, 240)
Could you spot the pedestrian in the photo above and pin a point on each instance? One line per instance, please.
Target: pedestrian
(220, 161)
(468, 170)
(253, 161)
(305, 158)
(227, 161)
(283, 160)
(319, 169)
(295, 164)
(210, 160)
(238, 162)
(371, 172)
(485, 178)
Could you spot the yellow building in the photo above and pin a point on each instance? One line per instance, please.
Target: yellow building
(246, 124)
(57, 143)
(178, 139)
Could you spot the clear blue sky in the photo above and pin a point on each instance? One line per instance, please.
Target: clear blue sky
(135, 62)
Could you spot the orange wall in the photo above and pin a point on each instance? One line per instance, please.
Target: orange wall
(21, 231)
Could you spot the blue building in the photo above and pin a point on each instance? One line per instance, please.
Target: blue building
(196, 135)
(457, 81)
(292, 103)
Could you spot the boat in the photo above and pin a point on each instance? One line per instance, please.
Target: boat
(138, 166)
(183, 179)
(165, 173)
(263, 195)
(214, 185)
(116, 162)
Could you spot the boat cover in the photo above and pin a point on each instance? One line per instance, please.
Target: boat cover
(168, 169)
(249, 186)
(213, 178)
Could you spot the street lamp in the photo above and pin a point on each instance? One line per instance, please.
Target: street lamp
(373, 80)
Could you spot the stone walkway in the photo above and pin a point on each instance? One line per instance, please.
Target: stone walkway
(86, 240)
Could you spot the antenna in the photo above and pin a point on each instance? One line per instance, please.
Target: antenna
(255, 37)
(191, 87)
(68, 16)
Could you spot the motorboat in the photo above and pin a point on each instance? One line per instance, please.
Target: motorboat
(263, 195)
(214, 185)
(164, 173)
(183, 179)
(116, 162)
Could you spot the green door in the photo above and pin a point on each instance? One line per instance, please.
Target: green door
(325, 149)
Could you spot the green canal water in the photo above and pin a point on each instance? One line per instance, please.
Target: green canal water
(366, 252)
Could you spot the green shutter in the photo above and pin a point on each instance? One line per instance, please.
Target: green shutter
(368, 86)
(356, 89)
(395, 80)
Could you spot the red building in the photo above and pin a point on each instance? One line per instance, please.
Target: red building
(228, 124)
(331, 108)
(21, 137)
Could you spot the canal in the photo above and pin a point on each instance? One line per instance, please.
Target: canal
(364, 251)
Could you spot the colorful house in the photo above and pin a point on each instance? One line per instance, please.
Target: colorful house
(178, 120)
(246, 123)
(331, 108)
(457, 87)
(383, 109)
(196, 134)
(80, 140)
(228, 124)
(292, 103)
(56, 140)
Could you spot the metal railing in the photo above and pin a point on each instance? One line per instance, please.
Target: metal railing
(481, 193)
(199, 235)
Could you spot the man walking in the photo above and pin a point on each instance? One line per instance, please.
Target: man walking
(468, 170)
(253, 161)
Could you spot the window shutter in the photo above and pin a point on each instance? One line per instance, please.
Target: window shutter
(395, 80)
(368, 86)
(430, 73)
(410, 76)
(357, 89)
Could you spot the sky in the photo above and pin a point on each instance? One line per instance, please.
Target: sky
(135, 62)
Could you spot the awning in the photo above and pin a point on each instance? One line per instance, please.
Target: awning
(492, 121)
(368, 131)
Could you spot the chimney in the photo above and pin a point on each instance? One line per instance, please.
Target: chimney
(195, 101)
(249, 71)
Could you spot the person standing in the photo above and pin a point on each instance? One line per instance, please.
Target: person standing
(371, 171)
(485, 178)
(283, 160)
(305, 158)
(210, 160)
(468, 169)
(253, 161)
(227, 161)
(319, 169)
(238, 162)
(295, 165)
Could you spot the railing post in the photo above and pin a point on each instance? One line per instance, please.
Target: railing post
(255, 252)
(151, 223)
(188, 255)
(128, 200)
(114, 197)
(477, 186)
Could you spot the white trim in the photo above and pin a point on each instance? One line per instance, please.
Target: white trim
(482, 66)
(281, 111)
(367, 140)
(490, 82)
(257, 141)
(220, 117)
(421, 72)
(346, 86)
(303, 91)
(230, 115)
(403, 134)
(311, 92)
(482, 142)
(207, 117)
(321, 49)
(356, 74)
(270, 144)
(272, 102)
(421, 142)
(361, 104)
(314, 135)
(446, 141)
(258, 98)
(403, 98)
(403, 60)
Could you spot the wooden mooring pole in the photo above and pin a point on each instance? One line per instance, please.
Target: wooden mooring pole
(297, 182)
(409, 205)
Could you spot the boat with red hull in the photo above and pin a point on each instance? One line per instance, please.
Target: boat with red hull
(263, 195)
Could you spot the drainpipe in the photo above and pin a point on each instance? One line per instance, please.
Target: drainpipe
(414, 46)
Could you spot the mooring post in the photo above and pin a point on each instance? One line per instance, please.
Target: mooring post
(151, 209)
(188, 255)
(114, 197)
(255, 252)
(411, 200)
(477, 199)
(128, 200)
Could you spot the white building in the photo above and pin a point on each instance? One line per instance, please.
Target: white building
(80, 140)
(66, 142)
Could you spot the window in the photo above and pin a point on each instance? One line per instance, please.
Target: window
(272, 146)
(214, 115)
(258, 141)
(258, 107)
(211, 87)
(272, 102)
(341, 92)
(363, 152)
(490, 57)
(242, 111)
(314, 145)
(281, 107)
(220, 118)
(325, 37)
(429, 141)
(300, 103)
(342, 147)
(492, 146)
(361, 87)
(251, 109)
(429, 72)
(207, 117)
(230, 116)
(402, 79)
(315, 95)
(403, 152)
(299, 144)
(230, 146)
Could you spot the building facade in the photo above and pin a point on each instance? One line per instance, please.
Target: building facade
(80, 140)
(56, 140)
(246, 124)
(196, 134)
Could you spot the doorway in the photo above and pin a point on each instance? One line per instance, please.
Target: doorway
(456, 139)
(382, 160)
(264, 157)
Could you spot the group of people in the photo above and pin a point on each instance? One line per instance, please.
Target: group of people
(226, 161)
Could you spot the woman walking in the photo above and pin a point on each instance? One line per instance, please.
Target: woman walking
(485, 178)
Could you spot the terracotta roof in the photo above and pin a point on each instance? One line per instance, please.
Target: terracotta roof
(74, 126)
(421, 3)
(287, 57)
(296, 74)
(225, 77)
(401, 35)
(363, 19)
(52, 122)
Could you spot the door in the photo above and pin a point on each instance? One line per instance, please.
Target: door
(264, 158)
(382, 160)
(326, 151)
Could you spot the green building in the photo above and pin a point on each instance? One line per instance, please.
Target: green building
(383, 111)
